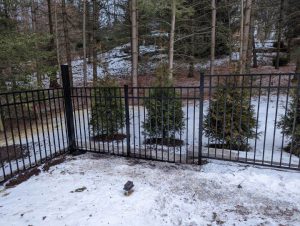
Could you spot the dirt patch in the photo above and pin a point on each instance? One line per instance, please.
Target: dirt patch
(12, 152)
(109, 138)
(53, 162)
(22, 177)
(243, 148)
(171, 142)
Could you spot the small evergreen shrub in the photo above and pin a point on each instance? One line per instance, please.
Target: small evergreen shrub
(283, 61)
(165, 117)
(230, 120)
(286, 124)
(108, 111)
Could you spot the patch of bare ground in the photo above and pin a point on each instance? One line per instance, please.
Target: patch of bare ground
(24, 176)
(109, 138)
(20, 178)
(181, 77)
(54, 162)
(169, 142)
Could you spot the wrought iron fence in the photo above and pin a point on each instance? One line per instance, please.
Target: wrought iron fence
(252, 119)
(32, 129)
(239, 118)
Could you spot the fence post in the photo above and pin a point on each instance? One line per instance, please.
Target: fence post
(201, 99)
(68, 107)
(127, 120)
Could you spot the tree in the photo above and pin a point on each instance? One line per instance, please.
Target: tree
(172, 38)
(165, 116)
(52, 59)
(241, 37)
(84, 44)
(67, 39)
(246, 35)
(279, 28)
(134, 43)
(290, 125)
(230, 120)
(108, 112)
(213, 36)
(95, 28)
(56, 37)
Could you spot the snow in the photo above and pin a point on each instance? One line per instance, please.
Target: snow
(114, 62)
(117, 63)
(164, 194)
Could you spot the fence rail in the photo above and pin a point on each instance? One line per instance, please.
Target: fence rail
(251, 119)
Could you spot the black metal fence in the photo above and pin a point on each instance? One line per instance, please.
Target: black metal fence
(32, 129)
(243, 118)
(238, 118)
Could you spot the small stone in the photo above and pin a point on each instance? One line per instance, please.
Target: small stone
(80, 189)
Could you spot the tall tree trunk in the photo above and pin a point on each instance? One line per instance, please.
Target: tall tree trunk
(246, 34)
(250, 49)
(213, 36)
(89, 33)
(241, 37)
(57, 39)
(255, 65)
(84, 44)
(230, 33)
(67, 39)
(279, 34)
(95, 26)
(52, 60)
(172, 37)
(253, 15)
(34, 29)
(134, 42)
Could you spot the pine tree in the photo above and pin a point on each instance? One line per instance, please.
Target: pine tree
(108, 112)
(230, 121)
(290, 126)
(165, 115)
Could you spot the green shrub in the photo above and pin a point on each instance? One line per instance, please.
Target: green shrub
(108, 112)
(283, 61)
(165, 117)
(286, 124)
(230, 120)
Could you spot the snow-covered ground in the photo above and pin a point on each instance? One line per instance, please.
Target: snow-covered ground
(117, 63)
(164, 194)
(114, 62)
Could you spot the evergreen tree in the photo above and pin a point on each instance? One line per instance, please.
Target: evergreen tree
(108, 112)
(165, 115)
(230, 121)
(290, 126)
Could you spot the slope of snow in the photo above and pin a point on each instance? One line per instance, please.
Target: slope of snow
(114, 62)
(165, 194)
